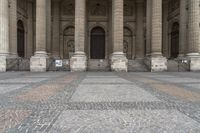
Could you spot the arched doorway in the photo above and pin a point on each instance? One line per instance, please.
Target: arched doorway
(175, 40)
(69, 47)
(128, 37)
(20, 39)
(97, 43)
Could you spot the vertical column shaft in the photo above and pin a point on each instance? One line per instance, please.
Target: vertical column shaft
(140, 29)
(193, 27)
(4, 27)
(48, 17)
(80, 23)
(13, 27)
(148, 27)
(183, 26)
(118, 25)
(156, 24)
(41, 26)
(56, 31)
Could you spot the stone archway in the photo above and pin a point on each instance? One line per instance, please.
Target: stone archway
(175, 40)
(69, 47)
(128, 40)
(97, 43)
(20, 39)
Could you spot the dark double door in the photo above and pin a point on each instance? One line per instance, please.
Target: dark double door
(97, 44)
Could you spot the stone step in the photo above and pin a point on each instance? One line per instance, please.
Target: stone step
(98, 65)
(137, 66)
(177, 66)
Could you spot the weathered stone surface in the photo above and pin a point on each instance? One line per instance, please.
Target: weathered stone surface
(38, 63)
(119, 62)
(157, 64)
(3, 63)
(195, 63)
(78, 62)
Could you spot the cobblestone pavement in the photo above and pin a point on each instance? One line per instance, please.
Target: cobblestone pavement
(63, 102)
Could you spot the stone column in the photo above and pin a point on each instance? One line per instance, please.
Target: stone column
(48, 17)
(194, 35)
(39, 60)
(119, 61)
(30, 36)
(13, 28)
(78, 61)
(140, 48)
(157, 62)
(183, 28)
(148, 27)
(56, 31)
(4, 34)
(165, 29)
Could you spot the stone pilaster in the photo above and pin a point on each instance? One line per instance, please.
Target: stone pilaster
(78, 61)
(183, 28)
(40, 60)
(4, 34)
(13, 28)
(157, 62)
(165, 29)
(140, 48)
(148, 27)
(119, 61)
(30, 40)
(194, 35)
(56, 31)
(49, 22)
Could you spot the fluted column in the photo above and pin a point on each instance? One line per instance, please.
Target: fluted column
(194, 35)
(48, 17)
(56, 31)
(78, 62)
(148, 27)
(193, 27)
(13, 28)
(156, 62)
(140, 29)
(30, 36)
(156, 32)
(39, 60)
(117, 25)
(4, 34)
(183, 28)
(118, 59)
(41, 26)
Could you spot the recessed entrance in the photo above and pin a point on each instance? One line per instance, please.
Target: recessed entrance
(97, 43)
(20, 39)
(175, 40)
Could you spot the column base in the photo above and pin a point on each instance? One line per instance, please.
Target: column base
(38, 62)
(119, 62)
(3, 63)
(194, 61)
(78, 62)
(157, 63)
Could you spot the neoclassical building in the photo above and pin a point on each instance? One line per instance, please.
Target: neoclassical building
(106, 35)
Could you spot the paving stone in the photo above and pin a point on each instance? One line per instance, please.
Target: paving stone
(112, 93)
(124, 122)
(99, 102)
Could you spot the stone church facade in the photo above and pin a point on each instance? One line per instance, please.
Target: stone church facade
(106, 35)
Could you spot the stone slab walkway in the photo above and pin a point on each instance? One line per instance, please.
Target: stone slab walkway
(92, 102)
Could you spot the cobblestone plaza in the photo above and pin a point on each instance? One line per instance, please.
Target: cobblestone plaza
(99, 102)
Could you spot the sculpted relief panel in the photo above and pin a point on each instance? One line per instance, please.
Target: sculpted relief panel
(68, 7)
(97, 8)
(128, 7)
